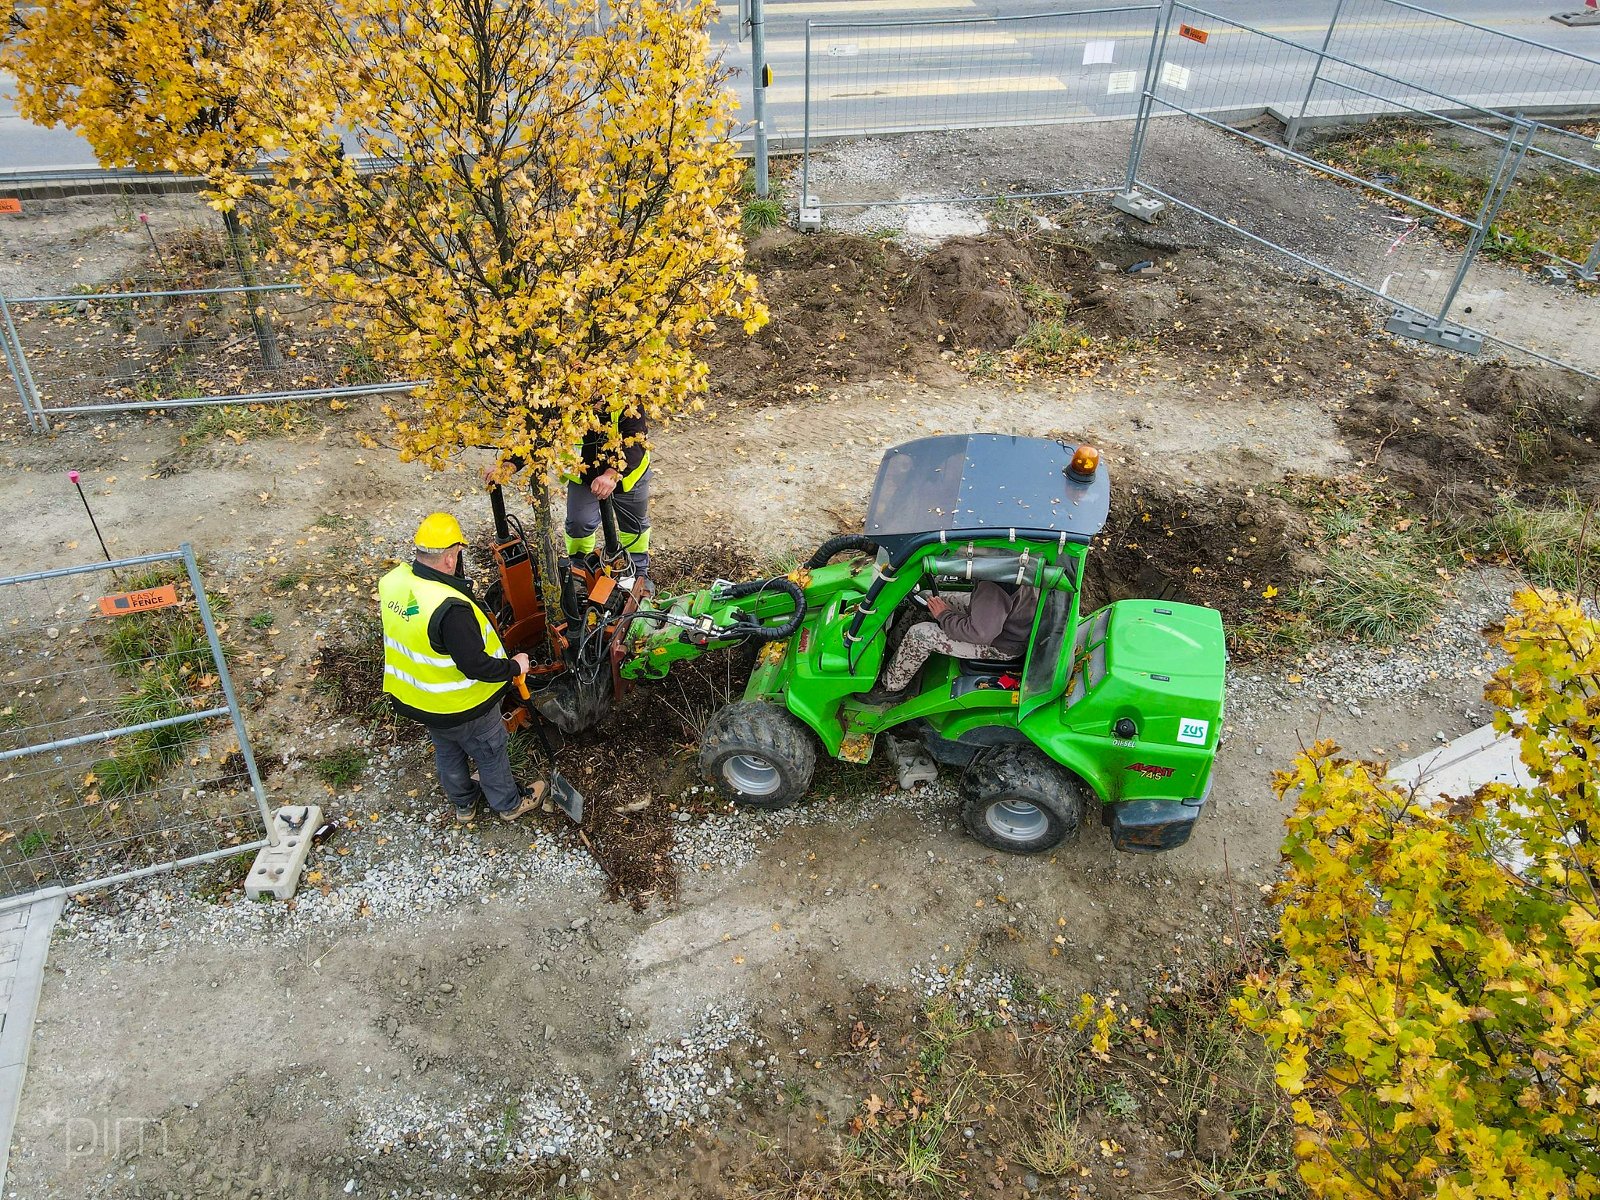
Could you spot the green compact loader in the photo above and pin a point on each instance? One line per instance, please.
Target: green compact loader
(1119, 708)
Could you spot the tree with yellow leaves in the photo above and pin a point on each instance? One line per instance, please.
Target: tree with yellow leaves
(1438, 1017)
(543, 223)
(155, 85)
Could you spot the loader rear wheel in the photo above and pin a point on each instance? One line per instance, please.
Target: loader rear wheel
(758, 755)
(1018, 801)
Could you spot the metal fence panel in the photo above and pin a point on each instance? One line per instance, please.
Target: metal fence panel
(1486, 67)
(865, 78)
(123, 751)
(1413, 257)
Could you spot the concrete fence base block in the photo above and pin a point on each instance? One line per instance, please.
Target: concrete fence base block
(277, 868)
(1584, 16)
(1137, 204)
(1447, 336)
(810, 218)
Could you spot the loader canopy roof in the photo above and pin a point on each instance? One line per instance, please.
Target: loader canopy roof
(983, 484)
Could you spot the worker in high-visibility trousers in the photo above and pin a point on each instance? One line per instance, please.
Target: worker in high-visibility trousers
(615, 466)
(444, 666)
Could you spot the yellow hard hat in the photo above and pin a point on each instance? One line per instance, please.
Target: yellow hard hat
(439, 531)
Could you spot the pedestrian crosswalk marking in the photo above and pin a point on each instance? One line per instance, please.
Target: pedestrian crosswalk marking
(916, 89)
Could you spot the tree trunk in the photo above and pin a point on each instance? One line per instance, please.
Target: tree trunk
(266, 336)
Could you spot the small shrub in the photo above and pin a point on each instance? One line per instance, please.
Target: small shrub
(762, 213)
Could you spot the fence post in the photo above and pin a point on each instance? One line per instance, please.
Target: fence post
(805, 132)
(11, 365)
(1292, 134)
(758, 89)
(268, 825)
(1505, 175)
(1592, 263)
(17, 358)
(1158, 42)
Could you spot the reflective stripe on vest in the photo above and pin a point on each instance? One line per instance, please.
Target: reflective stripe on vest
(626, 482)
(413, 671)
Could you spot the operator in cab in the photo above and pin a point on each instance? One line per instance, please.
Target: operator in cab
(990, 623)
(444, 666)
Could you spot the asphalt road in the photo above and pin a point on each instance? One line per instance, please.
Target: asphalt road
(880, 65)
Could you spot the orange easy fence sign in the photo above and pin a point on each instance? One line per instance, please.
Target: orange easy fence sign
(1193, 34)
(123, 603)
(10, 204)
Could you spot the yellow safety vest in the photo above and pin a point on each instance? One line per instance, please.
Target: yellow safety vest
(413, 671)
(625, 482)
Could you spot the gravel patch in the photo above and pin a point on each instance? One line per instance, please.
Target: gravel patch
(1355, 677)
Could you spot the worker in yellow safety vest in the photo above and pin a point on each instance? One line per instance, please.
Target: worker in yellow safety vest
(614, 465)
(443, 665)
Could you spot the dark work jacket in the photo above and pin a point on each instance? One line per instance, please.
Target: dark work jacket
(994, 617)
(597, 459)
(453, 630)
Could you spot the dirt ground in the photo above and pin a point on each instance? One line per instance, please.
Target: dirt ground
(446, 1012)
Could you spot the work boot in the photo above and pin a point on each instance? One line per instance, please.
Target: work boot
(882, 695)
(531, 802)
(466, 816)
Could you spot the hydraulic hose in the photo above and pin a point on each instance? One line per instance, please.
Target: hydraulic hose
(754, 630)
(836, 545)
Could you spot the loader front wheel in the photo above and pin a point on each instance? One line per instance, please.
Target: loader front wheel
(758, 755)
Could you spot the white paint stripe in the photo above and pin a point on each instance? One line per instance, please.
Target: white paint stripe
(826, 39)
(854, 8)
(426, 660)
(918, 89)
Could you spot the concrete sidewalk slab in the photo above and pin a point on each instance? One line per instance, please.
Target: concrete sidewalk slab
(24, 943)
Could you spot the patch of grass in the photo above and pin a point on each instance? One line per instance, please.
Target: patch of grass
(1043, 301)
(239, 422)
(167, 659)
(126, 774)
(288, 582)
(341, 768)
(1051, 339)
(1552, 208)
(357, 365)
(761, 213)
(1381, 592)
(1219, 1097)
(33, 842)
(262, 620)
(1378, 581)
(1547, 542)
(159, 696)
(1052, 1142)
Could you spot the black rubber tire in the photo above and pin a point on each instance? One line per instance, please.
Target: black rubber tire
(764, 744)
(1020, 777)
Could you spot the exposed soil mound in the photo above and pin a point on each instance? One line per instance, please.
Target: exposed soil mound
(1488, 427)
(845, 308)
(1233, 551)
